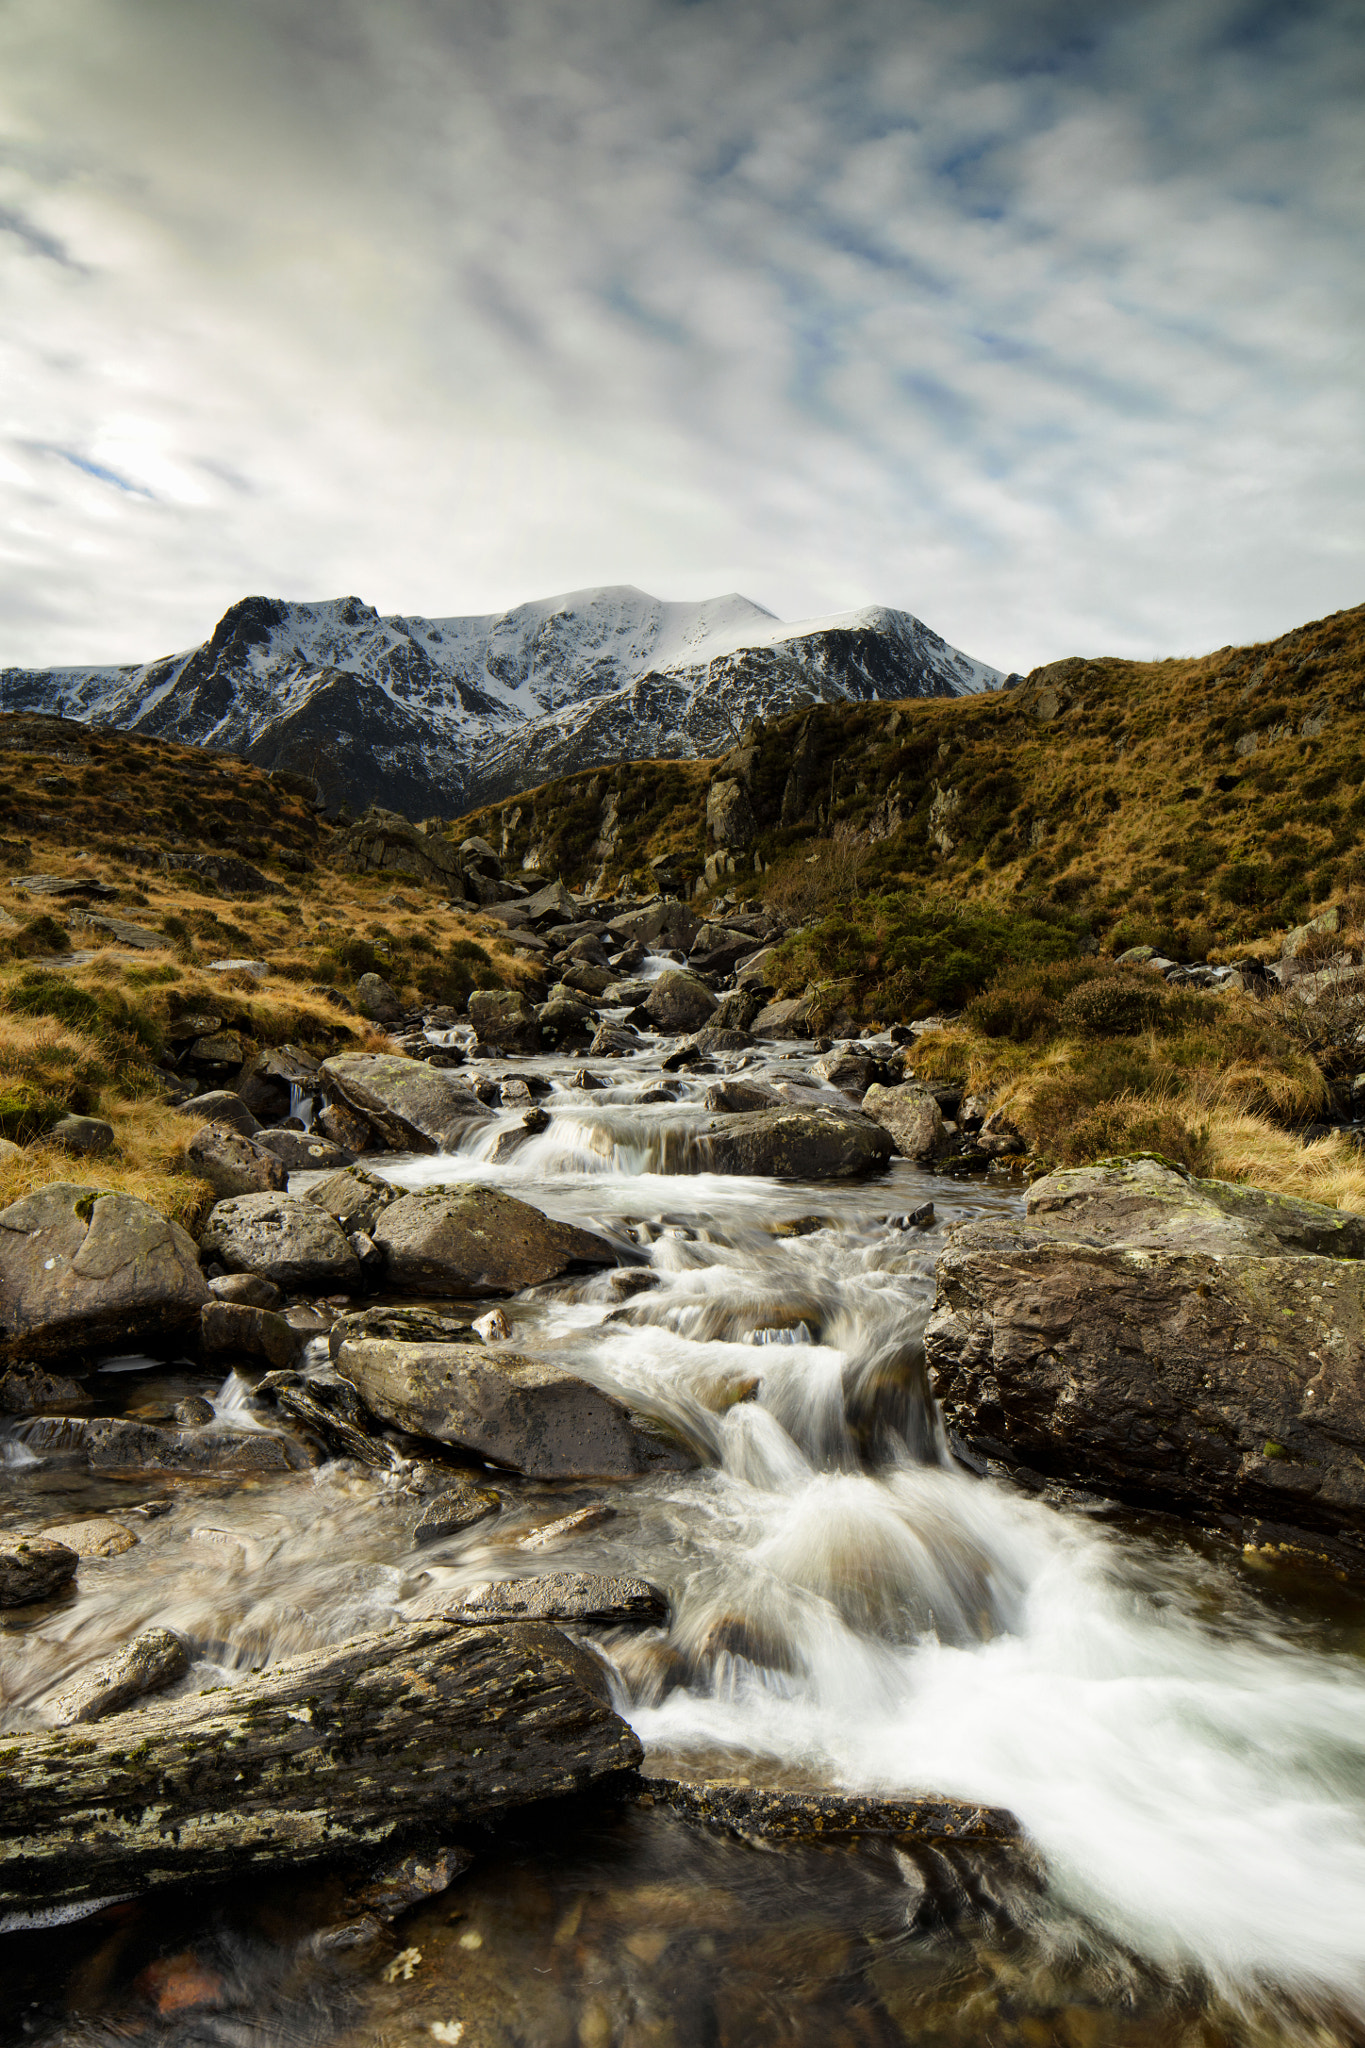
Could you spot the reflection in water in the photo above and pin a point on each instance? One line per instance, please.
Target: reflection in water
(849, 1607)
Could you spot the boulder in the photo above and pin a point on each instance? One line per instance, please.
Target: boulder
(228, 874)
(347, 1128)
(823, 1142)
(149, 1663)
(718, 1038)
(1187, 1344)
(587, 980)
(247, 1332)
(566, 1020)
(383, 842)
(459, 1507)
(119, 1445)
(614, 1041)
(504, 1021)
(913, 1118)
(283, 1238)
(737, 1010)
(303, 1151)
(664, 923)
(233, 1164)
(562, 1596)
(551, 905)
(853, 1072)
(33, 1568)
(330, 1756)
(679, 1002)
(26, 1389)
(82, 1135)
(523, 1413)
(223, 1106)
(268, 1080)
(415, 1107)
(81, 1269)
(790, 1018)
(734, 1097)
(475, 1239)
(376, 1000)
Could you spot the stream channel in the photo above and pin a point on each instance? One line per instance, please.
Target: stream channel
(1180, 1730)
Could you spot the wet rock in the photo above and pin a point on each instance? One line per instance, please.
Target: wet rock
(798, 1816)
(329, 1409)
(999, 1138)
(223, 1106)
(247, 1288)
(376, 1000)
(26, 1389)
(338, 1753)
(414, 1106)
(523, 1413)
(83, 1135)
(354, 1196)
(193, 1412)
(820, 1143)
(662, 924)
(737, 1010)
(790, 1018)
(33, 1568)
(459, 1507)
(118, 1445)
(494, 1328)
(403, 1326)
(97, 1536)
(851, 1071)
(403, 1882)
(913, 1118)
(247, 1332)
(504, 1021)
(614, 1041)
(587, 980)
(460, 1239)
(291, 1242)
(715, 1038)
(679, 1002)
(149, 1663)
(511, 1141)
(267, 1082)
(566, 1527)
(562, 1596)
(1188, 1344)
(81, 1268)
(233, 1164)
(736, 1096)
(304, 1151)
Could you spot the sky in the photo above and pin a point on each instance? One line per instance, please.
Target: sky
(1042, 321)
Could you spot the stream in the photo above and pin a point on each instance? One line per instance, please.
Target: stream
(1179, 1729)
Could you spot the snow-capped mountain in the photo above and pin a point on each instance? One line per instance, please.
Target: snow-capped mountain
(437, 715)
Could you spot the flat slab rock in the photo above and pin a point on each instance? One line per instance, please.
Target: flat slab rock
(802, 1816)
(82, 1269)
(121, 1445)
(563, 1596)
(522, 1413)
(337, 1754)
(1175, 1343)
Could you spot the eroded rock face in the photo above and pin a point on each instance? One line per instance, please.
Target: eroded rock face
(81, 1269)
(825, 1142)
(520, 1412)
(384, 842)
(33, 1568)
(415, 1107)
(1189, 1344)
(455, 1240)
(119, 1445)
(913, 1118)
(293, 1243)
(679, 1002)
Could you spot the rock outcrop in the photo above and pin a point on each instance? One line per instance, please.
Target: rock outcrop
(1180, 1343)
(81, 1269)
(413, 1106)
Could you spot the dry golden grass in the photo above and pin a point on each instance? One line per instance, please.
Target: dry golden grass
(148, 1160)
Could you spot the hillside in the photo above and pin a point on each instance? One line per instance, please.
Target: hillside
(430, 715)
(1192, 805)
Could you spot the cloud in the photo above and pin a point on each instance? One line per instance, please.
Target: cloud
(1037, 319)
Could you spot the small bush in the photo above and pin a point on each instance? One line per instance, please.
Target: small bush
(41, 934)
(38, 994)
(1112, 1008)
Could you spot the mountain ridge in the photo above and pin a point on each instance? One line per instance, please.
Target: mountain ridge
(440, 714)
